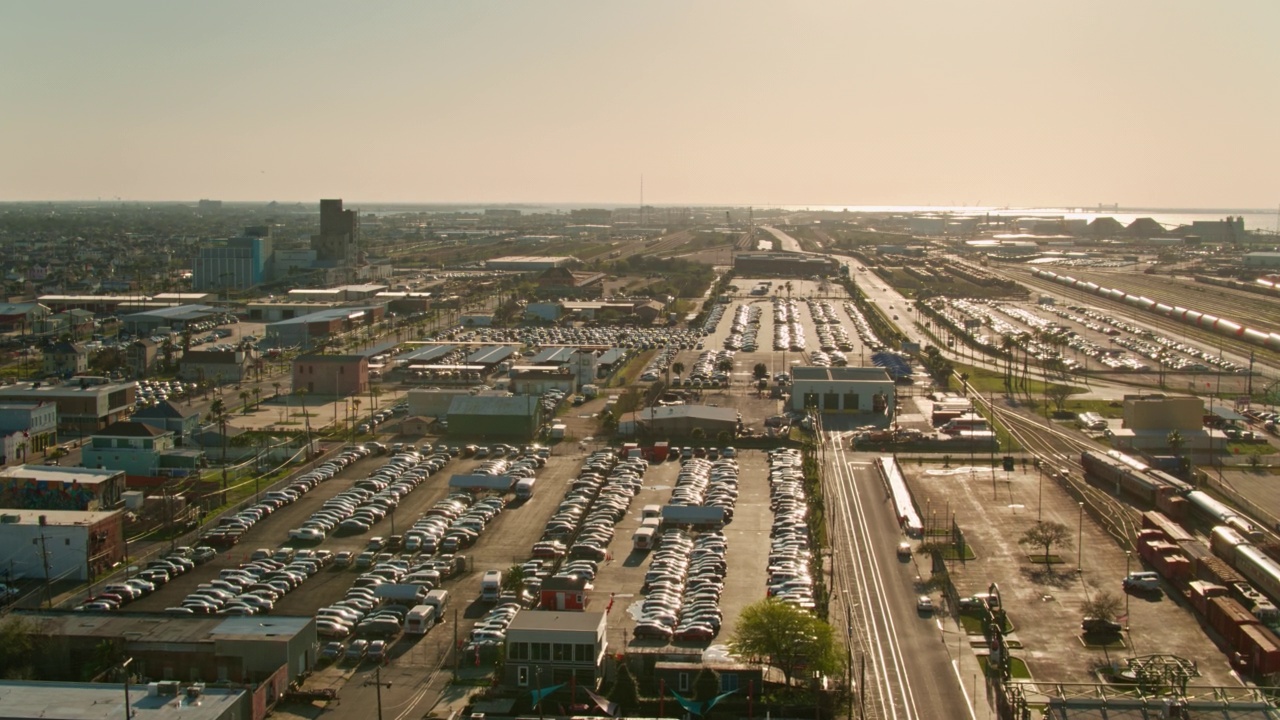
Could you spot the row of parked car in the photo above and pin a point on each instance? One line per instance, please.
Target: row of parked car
(685, 569)
(788, 333)
(231, 528)
(256, 586)
(790, 553)
(863, 328)
(357, 509)
(744, 333)
(156, 573)
(609, 506)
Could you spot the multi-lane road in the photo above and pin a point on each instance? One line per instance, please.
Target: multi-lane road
(905, 661)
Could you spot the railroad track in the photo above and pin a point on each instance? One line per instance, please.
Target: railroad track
(1059, 451)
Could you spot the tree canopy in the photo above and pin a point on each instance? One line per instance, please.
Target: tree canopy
(1045, 535)
(787, 637)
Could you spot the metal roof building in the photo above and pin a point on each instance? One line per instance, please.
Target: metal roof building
(490, 355)
(23, 699)
(481, 416)
(842, 389)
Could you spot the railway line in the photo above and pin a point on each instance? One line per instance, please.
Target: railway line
(1059, 451)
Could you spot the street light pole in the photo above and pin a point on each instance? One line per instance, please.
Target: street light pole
(124, 666)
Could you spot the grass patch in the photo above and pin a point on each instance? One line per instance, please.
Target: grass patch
(973, 625)
(1017, 668)
(952, 553)
(1103, 642)
(1045, 559)
(1248, 448)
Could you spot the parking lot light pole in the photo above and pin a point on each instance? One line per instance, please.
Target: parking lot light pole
(1128, 555)
(1080, 541)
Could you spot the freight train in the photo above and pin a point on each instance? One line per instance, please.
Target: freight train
(1133, 477)
(1186, 316)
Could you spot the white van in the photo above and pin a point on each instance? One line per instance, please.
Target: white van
(439, 599)
(644, 538)
(1142, 582)
(420, 619)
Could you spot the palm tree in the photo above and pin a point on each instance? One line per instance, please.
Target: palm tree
(374, 393)
(218, 413)
(677, 368)
(244, 399)
(257, 397)
(1176, 441)
(1007, 344)
(276, 386)
(306, 419)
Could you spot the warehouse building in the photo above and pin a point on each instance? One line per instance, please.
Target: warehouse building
(305, 330)
(680, 421)
(781, 264)
(58, 545)
(265, 652)
(174, 318)
(842, 389)
(29, 699)
(484, 417)
(54, 487)
(1262, 260)
(529, 263)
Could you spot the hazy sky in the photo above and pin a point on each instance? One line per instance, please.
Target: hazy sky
(1161, 103)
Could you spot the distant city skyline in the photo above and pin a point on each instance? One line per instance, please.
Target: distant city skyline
(1143, 104)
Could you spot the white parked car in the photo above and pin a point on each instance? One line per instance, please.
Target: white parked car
(309, 534)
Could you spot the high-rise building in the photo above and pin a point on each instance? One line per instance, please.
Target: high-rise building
(238, 263)
(339, 234)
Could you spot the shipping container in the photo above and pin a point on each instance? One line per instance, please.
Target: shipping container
(1227, 617)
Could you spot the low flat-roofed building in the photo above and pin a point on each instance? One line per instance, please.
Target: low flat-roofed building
(61, 544)
(679, 421)
(220, 367)
(546, 647)
(85, 404)
(1164, 412)
(538, 379)
(304, 331)
(30, 699)
(528, 263)
(277, 310)
(783, 264)
(55, 487)
(842, 389)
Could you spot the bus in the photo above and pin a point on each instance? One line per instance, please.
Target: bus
(420, 619)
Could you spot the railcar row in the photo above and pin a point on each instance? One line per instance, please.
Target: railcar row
(1260, 286)
(1186, 316)
(1222, 583)
(1133, 478)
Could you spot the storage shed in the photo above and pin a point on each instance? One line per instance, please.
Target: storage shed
(479, 416)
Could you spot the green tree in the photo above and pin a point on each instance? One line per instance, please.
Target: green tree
(760, 371)
(624, 691)
(1046, 534)
(218, 414)
(1058, 394)
(16, 647)
(1102, 605)
(244, 400)
(706, 685)
(513, 578)
(787, 637)
(677, 368)
(698, 434)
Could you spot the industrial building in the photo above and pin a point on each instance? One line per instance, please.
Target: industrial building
(1148, 420)
(168, 319)
(304, 331)
(434, 402)
(1266, 260)
(680, 421)
(783, 264)
(339, 236)
(482, 416)
(59, 545)
(842, 389)
(238, 263)
(547, 647)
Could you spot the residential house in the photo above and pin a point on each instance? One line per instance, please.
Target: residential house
(145, 453)
(220, 367)
(27, 428)
(166, 415)
(66, 359)
(141, 356)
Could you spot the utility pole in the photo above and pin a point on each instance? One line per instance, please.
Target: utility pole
(124, 667)
(44, 559)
